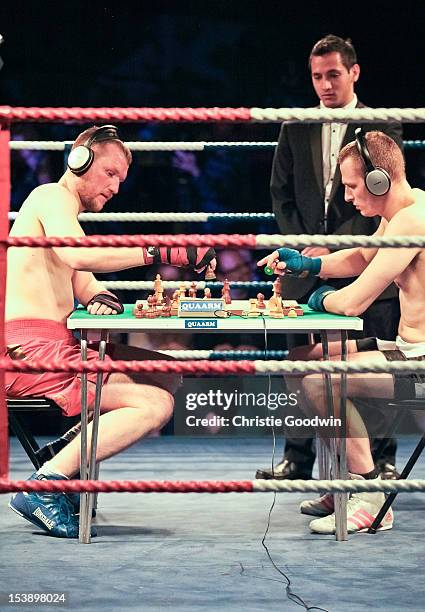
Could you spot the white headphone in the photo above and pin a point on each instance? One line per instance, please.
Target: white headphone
(81, 158)
(377, 180)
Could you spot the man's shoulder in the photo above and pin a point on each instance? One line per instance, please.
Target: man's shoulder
(52, 194)
(411, 219)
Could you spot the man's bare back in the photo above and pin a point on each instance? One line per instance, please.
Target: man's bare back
(411, 281)
(39, 284)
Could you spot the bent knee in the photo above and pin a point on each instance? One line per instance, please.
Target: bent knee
(163, 408)
(304, 353)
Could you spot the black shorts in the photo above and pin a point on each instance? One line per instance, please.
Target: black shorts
(406, 386)
(168, 381)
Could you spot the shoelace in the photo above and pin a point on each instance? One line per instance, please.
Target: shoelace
(65, 513)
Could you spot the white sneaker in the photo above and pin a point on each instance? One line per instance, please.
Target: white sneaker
(362, 509)
(322, 506)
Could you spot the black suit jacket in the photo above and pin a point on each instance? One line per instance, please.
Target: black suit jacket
(298, 193)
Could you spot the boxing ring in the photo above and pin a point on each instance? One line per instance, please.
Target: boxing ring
(192, 365)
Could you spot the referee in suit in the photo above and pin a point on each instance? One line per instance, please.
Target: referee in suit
(308, 198)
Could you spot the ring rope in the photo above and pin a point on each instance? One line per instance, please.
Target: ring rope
(257, 367)
(52, 145)
(213, 486)
(169, 216)
(148, 285)
(313, 115)
(229, 354)
(217, 240)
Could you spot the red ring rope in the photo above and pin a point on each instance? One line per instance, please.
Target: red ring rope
(20, 113)
(146, 240)
(157, 365)
(127, 486)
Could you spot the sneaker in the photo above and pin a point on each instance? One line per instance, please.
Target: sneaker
(75, 501)
(362, 509)
(322, 506)
(387, 471)
(52, 512)
(285, 470)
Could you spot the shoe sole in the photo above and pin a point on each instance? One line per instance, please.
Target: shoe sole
(363, 530)
(319, 515)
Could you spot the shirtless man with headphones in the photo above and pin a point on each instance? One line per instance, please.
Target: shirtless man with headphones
(373, 173)
(41, 287)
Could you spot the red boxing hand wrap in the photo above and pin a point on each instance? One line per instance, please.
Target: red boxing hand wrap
(181, 257)
(108, 299)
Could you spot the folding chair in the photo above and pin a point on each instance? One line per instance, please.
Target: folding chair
(417, 404)
(38, 455)
(19, 406)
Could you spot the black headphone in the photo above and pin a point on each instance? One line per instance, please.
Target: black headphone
(81, 158)
(377, 180)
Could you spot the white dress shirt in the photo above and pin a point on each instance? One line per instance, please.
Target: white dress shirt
(332, 137)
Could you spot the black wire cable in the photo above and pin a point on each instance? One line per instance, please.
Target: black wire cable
(297, 599)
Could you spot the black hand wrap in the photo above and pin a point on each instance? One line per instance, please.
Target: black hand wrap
(182, 257)
(199, 257)
(108, 299)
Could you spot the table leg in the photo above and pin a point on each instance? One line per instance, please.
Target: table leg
(340, 516)
(88, 467)
(93, 466)
(341, 498)
(84, 536)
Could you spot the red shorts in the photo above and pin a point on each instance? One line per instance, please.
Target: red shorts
(45, 339)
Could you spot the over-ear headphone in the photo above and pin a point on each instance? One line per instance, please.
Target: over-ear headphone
(81, 158)
(377, 180)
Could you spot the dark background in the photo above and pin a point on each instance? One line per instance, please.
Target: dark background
(204, 53)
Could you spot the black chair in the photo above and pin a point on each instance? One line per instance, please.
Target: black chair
(401, 407)
(17, 407)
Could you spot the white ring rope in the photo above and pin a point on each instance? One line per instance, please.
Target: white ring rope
(338, 367)
(178, 145)
(225, 354)
(168, 217)
(149, 285)
(51, 145)
(357, 115)
(338, 486)
(338, 242)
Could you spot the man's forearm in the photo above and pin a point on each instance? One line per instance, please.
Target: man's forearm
(101, 259)
(343, 264)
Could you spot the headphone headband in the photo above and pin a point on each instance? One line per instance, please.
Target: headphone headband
(102, 134)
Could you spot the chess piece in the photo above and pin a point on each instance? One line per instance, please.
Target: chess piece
(260, 302)
(210, 273)
(158, 289)
(151, 311)
(253, 311)
(207, 293)
(292, 313)
(192, 290)
(225, 292)
(166, 307)
(182, 291)
(175, 304)
(272, 304)
(138, 311)
(277, 287)
(277, 312)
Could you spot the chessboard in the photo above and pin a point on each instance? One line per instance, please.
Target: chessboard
(188, 302)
